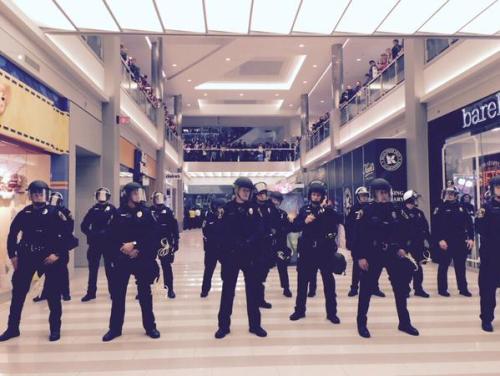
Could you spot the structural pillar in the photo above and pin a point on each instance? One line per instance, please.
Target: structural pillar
(110, 110)
(416, 121)
(337, 87)
(304, 127)
(157, 86)
(179, 197)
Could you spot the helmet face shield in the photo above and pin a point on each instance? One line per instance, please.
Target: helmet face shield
(39, 195)
(158, 198)
(56, 199)
(102, 195)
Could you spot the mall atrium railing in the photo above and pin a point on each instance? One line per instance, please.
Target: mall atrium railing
(436, 46)
(132, 88)
(387, 80)
(318, 134)
(241, 155)
(173, 139)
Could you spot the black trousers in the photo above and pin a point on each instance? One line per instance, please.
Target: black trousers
(230, 270)
(489, 281)
(210, 262)
(356, 271)
(168, 275)
(313, 281)
(121, 274)
(282, 267)
(459, 256)
(307, 268)
(64, 279)
(399, 276)
(418, 275)
(21, 283)
(94, 254)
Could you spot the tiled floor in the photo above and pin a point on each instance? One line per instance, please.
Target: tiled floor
(451, 342)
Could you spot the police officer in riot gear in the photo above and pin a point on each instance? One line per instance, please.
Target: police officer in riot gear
(488, 227)
(39, 249)
(283, 253)
(454, 234)
(317, 245)
(96, 225)
(56, 200)
(417, 235)
(381, 245)
(133, 252)
(352, 236)
(212, 240)
(167, 239)
(270, 220)
(242, 229)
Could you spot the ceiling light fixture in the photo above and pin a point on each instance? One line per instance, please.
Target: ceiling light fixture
(301, 45)
(358, 59)
(315, 65)
(241, 94)
(174, 65)
(189, 80)
(228, 59)
(205, 94)
(276, 95)
(304, 82)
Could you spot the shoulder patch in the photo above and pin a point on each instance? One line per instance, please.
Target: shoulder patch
(480, 213)
(250, 211)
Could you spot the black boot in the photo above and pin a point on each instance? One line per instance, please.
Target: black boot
(379, 293)
(88, 297)
(171, 294)
(221, 333)
(153, 333)
(333, 318)
(287, 292)
(311, 294)
(204, 294)
(466, 293)
(422, 293)
(8, 334)
(363, 331)
(265, 305)
(297, 316)
(352, 292)
(37, 299)
(66, 297)
(55, 335)
(111, 335)
(408, 329)
(444, 293)
(258, 331)
(487, 326)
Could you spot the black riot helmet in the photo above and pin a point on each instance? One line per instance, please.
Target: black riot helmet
(276, 195)
(217, 203)
(494, 182)
(380, 184)
(39, 186)
(56, 199)
(242, 182)
(260, 187)
(158, 198)
(102, 194)
(130, 188)
(316, 186)
(451, 190)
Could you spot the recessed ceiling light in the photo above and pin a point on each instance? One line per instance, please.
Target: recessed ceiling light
(304, 82)
(290, 105)
(315, 66)
(20, 57)
(301, 45)
(174, 65)
(358, 59)
(228, 59)
(241, 94)
(189, 80)
(322, 101)
(205, 94)
(189, 104)
(276, 95)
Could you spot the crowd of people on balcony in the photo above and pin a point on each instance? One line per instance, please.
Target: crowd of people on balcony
(240, 151)
(146, 88)
(319, 130)
(375, 68)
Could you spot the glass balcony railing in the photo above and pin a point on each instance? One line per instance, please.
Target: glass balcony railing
(436, 46)
(132, 88)
(194, 154)
(318, 134)
(172, 139)
(387, 80)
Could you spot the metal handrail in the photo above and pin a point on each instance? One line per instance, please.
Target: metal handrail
(384, 82)
(316, 136)
(294, 157)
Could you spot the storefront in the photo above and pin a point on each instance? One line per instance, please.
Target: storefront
(464, 150)
(380, 158)
(34, 141)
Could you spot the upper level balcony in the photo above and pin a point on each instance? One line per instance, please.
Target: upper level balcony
(243, 155)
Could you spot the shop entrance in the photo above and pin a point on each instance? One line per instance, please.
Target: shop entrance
(469, 162)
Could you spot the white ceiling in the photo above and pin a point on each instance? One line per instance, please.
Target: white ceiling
(285, 17)
(236, 62)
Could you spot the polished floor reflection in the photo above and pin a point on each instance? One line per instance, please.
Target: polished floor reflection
(451, 341)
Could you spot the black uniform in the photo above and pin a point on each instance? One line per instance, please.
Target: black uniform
(280, 246)
(352, 243)
(242, 229)
(212, 243)
(488, 227)
(417, 233)
(167, 229)
(269, 217)
(453, 224)
(133, 225)
(96, 225)
(316, 245)
(381, 236)
(40, 229)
